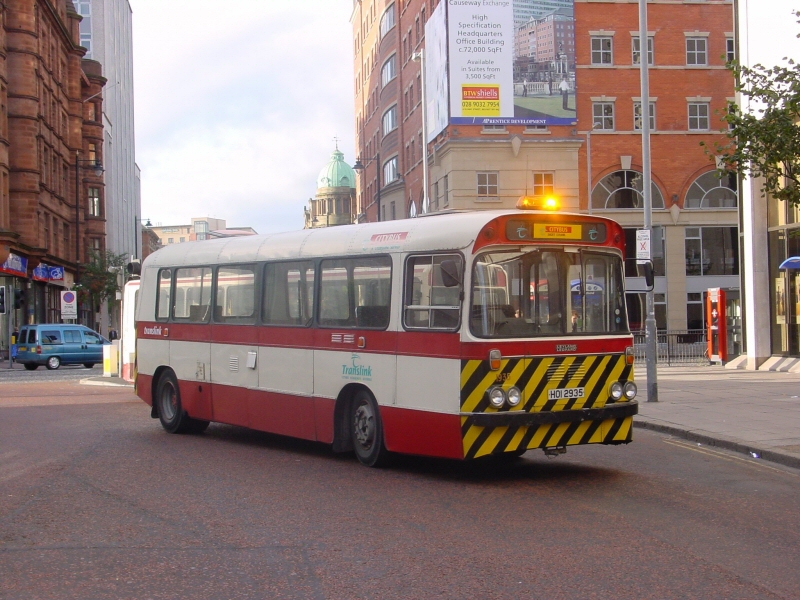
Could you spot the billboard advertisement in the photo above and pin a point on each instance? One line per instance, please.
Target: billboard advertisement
(508, 62)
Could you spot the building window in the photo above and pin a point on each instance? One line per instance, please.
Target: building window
(698, 116)
(603, 115)
(623, 189)
(637, 52)
(543, 184)
(390, 120)
(712, 251)
(94, 201)
(637, 116)
(602, 50)
(695, 313)
(387, 20)
(390, 171)
(487, 184)
(730, 50)
(389, 70)
(171, 241)
(636, 305)
(696, 51)
(92, 154)
(712, 191)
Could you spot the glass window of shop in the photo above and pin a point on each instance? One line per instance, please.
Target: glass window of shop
(712, 251)
(785, 292)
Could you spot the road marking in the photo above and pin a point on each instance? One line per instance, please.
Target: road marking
(724, 456)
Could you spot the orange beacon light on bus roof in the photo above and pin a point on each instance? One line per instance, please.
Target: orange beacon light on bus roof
(541, 203)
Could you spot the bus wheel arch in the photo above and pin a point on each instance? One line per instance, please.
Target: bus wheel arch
(342, 438)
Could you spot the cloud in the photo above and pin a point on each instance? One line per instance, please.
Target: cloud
(237, 107)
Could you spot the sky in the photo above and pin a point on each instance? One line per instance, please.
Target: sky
(237, 104)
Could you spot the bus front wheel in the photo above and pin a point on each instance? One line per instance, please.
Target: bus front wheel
(366, 430)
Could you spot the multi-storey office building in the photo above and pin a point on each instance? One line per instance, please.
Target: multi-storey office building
(51, 212)
(569, 112)
(106, 32)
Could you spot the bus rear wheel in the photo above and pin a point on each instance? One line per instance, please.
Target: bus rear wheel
(366, 430)
(168, 400)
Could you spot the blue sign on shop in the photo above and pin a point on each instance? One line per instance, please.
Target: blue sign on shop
(15, 265)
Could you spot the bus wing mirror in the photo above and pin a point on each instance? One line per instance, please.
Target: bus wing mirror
(451, 274)
(649, 276)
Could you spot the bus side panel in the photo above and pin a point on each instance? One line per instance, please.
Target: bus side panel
(152, 353)
(429, 383)
(144, 388)
(283, 414)
(324, 419)
(423, 433)
(232, 377)
(191, 362)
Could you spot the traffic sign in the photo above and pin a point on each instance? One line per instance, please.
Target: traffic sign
(69, 305)
(642, 245)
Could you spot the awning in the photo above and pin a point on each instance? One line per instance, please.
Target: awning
(791, 263)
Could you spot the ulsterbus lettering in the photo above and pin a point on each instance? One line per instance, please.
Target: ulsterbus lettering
(152, 330)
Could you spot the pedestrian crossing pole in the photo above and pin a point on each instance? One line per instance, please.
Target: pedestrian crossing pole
(647, 191)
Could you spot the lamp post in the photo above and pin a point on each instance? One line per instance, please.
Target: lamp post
(98, 170)
(420, 56)
(359, 166)
(650, 321)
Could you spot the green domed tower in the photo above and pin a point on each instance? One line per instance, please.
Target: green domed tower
(334, 201)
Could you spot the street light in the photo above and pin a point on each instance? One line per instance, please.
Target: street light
(420, 56)
(359, 166)
(97, 167)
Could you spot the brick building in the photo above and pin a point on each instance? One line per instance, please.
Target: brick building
(51, 140)
(695, 242)
(492, 165)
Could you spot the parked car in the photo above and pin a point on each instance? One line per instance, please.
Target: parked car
(53, 345)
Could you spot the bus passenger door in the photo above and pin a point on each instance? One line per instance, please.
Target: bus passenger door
(284, 400)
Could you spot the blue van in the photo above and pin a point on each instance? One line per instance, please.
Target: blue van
(54, 344)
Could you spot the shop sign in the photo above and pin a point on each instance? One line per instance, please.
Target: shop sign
(15, 265)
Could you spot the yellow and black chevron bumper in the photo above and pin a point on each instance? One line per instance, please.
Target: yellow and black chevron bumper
(538, 421)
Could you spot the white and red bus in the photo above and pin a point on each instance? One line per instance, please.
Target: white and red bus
(457, 335)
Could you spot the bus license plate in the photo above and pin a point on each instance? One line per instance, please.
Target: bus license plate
(567, 393)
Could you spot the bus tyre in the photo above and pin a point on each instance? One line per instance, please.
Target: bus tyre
(367, 430)
(168, 399)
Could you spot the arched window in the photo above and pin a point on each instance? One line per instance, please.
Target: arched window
(712, 191)
(389, 70)
(623, 189)
(387, 20)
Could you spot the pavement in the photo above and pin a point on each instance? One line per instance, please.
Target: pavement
(753, 412)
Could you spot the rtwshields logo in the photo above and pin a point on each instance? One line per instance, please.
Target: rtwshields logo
(152, 330)
(473, 92)
(356, 371)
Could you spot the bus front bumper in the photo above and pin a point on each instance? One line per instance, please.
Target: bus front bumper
(518, 431)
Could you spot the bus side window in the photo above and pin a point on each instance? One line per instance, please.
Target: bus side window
(355, 292)
(289, 293)
(235, 294)
(192, 294)
(429, 303)
(163, 299)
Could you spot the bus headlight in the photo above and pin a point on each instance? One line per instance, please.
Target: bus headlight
(629, 389)
(514, 396)
(615, 390)
(497, 397)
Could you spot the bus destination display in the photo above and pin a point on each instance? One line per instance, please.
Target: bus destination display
(519, 230)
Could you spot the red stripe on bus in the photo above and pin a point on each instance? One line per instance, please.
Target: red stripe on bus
(550, 347)
(421, 432)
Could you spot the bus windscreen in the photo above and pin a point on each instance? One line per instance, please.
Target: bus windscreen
(547, 292)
